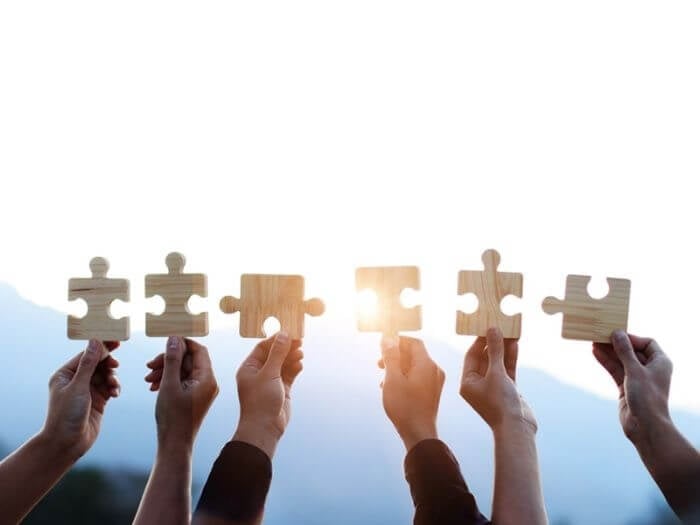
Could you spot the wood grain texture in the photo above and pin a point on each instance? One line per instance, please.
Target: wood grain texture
(388, 282)
(490, 287)
(589, 319)
(278, 296)
(176, 288)
(99, 292)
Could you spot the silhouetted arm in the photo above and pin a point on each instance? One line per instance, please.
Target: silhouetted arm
(440, 495)
(237, 487)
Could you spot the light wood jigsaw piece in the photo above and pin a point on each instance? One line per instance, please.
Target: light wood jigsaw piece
(388, 282)
(176, 288)
(99, 292)
(490, 287)
(279, 296)
(589, 319)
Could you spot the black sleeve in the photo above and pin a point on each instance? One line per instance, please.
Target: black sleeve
(440, 495)
(237, 485)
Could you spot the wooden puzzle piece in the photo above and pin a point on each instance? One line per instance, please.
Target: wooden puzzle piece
(99, 292)
(176, 288)
(589, 319)
(490, 287)
(388, 282)
(279, 296)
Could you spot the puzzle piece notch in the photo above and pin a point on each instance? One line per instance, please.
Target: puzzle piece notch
(388, 282)
(99, 292)
(490, 287)
(279, 296)
(176, 288)
(589, 319)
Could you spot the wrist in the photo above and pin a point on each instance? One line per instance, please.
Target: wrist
(414, 436)
(261, 435)
(174, 448)
(515, 425)
(651, 434)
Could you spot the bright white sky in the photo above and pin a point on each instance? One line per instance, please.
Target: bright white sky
(314, 137)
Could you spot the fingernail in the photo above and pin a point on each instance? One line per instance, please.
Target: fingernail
(172, 343)
(283, 337)
(389, 342)
(619, 336)
(93, 347)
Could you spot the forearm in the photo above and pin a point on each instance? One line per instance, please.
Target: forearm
(28, 474)
(517, 496)
(675, 466)
(236, 489)
(167, 496)
(439, 492)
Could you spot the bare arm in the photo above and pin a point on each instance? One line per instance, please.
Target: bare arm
(78, 394)
(28, 474)
(488, 385)
(517, 496)
(675, 466)
(642, 373)
(187, 387)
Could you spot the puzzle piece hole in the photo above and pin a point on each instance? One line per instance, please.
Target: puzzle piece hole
(155, 305)
(367, 304)
(78, 308)
(119, 309)
(410, 298)
(511, 305)
(468, 303)
(598, 288)
(196, 305)
(271, 326)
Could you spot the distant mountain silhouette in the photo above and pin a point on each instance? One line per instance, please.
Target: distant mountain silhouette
(341, 457)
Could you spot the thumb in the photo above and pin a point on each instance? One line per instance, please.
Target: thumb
(88, 363)
(172, 364)
(624, 350)
(496, 351)
(391, 355)
(278, 353)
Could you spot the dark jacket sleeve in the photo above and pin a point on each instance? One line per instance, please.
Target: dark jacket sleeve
(237, 485)
(440, 495)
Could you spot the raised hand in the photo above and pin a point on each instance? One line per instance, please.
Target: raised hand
(642, 374)
(186, 386)
(265, 381)
(411, 389)
(488, 385)
(78, 394)
(488, 381)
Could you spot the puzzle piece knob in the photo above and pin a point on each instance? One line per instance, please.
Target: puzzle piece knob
(230, 305)
(491, 259)
(552, 305)
(175, 262)
(99, 266)
(315, 307)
